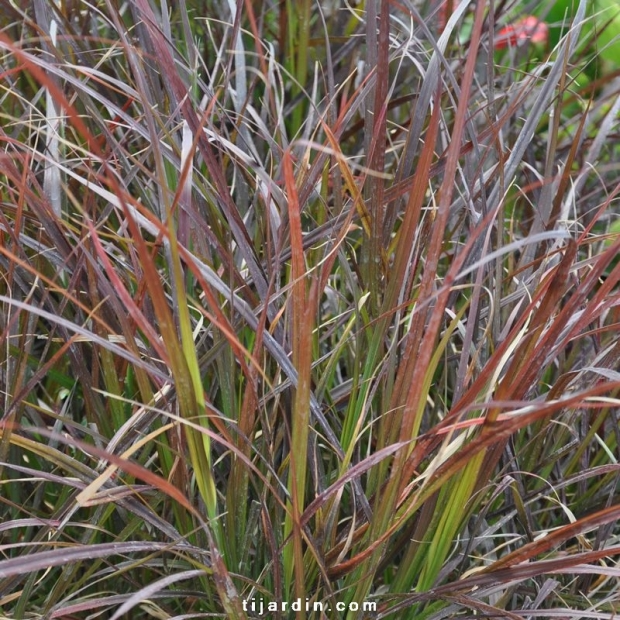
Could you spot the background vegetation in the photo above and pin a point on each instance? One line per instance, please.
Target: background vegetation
(309, 300)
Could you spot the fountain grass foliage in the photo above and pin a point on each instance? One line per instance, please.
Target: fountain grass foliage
(308, 301)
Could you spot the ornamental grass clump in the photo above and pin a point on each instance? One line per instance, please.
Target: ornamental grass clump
(308, 310)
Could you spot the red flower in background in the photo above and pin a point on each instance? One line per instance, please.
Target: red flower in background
(528, 29)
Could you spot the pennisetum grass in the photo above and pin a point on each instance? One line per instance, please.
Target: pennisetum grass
(309, 309)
